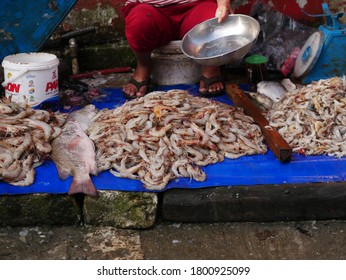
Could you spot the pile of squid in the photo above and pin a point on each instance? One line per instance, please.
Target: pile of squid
(170, 134)
(312, 119)
(25, 136)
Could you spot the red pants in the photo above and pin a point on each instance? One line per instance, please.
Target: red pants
(148, 28)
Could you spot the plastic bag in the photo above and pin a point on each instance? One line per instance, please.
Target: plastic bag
(279, 35)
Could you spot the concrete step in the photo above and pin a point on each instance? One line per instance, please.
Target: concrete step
(139, 210)
(110, 208)
(287, 202)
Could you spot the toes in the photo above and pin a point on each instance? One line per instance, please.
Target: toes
(213, 87)
(130, 90)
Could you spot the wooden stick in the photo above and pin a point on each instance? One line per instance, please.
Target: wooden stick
(274, 140)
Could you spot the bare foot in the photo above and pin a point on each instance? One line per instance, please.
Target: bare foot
(211, 72)
(138, 86)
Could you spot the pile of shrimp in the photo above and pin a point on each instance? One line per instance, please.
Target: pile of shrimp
(312, 119)
(167, 135)
(25, 136)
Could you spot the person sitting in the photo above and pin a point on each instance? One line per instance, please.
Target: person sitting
(151, 24)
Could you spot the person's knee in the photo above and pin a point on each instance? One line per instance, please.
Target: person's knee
(201, 12)
(141, 17)
(145, 28)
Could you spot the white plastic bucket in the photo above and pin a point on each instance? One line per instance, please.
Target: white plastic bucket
(171, 66)
(31, 77)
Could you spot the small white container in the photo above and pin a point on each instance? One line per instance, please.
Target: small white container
(171, 66)
(31, 77)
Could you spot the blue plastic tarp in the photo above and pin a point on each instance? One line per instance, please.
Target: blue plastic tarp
(245, 171)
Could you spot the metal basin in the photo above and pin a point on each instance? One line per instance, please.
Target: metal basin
(212, 43)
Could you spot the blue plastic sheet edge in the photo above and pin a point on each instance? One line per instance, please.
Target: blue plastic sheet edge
(245, 171)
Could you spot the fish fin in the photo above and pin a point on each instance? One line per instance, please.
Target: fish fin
(82, 186)
(94, 170)
(63, 173)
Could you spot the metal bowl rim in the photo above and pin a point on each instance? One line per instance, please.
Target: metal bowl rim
(224, 54)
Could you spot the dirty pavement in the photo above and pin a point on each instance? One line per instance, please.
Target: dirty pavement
(300, 240)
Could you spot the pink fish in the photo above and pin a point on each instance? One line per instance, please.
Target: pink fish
(74, 155)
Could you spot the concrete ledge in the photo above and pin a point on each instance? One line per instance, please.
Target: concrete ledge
(121, 209)
(111, 208)
(265, 203)
(138, 210)
(38, 209)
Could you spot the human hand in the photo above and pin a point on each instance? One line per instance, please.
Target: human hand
(223, 10)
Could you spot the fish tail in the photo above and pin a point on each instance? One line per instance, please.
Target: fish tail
(85, 186)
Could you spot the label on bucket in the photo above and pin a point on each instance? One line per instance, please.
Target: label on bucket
(36, 85)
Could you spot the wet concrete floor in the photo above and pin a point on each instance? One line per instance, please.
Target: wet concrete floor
(324, 240)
